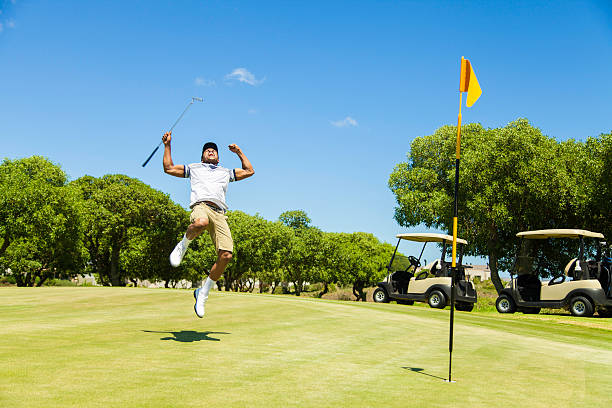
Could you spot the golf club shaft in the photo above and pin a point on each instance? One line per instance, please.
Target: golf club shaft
(182, 114)
(172, 128)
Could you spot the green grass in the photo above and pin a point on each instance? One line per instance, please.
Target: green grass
(134, 347)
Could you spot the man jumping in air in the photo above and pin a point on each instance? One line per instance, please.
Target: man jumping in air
(208, 187)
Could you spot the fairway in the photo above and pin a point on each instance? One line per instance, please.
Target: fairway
(134, 347)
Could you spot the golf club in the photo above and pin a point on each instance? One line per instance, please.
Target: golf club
(177, 121)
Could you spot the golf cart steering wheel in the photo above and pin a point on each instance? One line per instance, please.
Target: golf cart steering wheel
(556, 280)
(414, 261)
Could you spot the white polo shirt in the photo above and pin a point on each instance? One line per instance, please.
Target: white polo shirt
(209, 183)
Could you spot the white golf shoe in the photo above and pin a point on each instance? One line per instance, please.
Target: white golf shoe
(177, 254)
(200, 302)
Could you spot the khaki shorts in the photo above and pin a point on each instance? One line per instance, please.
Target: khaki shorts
(217, 226)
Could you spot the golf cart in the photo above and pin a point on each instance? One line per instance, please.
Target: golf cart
(411, 285)
(582, 286)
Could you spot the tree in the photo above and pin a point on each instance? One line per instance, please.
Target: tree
(303, 257)
(296, 219)
(199, 259)
(331, 259)
(256, 243)
(146, 251)
(590, 166)
(361, 262)
(512, 179)
(272, 253)
(118, 209)
(40, 222)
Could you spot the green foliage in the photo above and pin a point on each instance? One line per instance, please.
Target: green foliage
(146, 252)
(7, 280)
(121, 231)
(511, 179)
(272, 253)
(487, 295)
(296, 219)
(360, 260)
(401, 262)
(199, 259)
(257, 246)
(59, 282)
(303, 256)
(40, 221)
(590, 165)
(130, 229)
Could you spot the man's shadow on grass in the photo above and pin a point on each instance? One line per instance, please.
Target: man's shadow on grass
(420, 371)
(188, 336)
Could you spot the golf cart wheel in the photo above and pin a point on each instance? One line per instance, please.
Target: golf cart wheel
(437, 300)
(464, 306)
(531, 310)
(405, 302)
(380, 296)
(505, 304)
(581, 307)
(604, 312)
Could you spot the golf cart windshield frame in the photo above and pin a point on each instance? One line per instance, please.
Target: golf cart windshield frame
(426, 238)
(520, 265)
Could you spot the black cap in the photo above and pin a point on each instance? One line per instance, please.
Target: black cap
(210, 145)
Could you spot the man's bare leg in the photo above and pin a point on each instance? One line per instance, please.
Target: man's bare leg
(223, 258)
(195, 228)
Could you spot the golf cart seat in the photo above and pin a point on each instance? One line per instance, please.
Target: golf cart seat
(443, 269)
(572, 269)
(605, 278)
(433, 267)
(438, 268)
(463, 287)
(400, 280)
(529, 287)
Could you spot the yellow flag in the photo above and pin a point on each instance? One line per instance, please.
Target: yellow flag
(474, 90)
(469, 83)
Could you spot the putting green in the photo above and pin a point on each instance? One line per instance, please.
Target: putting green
(133, 347)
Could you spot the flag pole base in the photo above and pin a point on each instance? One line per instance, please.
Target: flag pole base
(451, 381)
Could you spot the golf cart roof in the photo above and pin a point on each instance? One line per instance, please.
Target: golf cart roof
(429, 237)
(559, 233)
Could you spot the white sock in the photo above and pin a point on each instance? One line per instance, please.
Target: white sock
(206, 287)
(186, 241)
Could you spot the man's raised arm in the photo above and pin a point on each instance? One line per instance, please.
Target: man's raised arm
(169, 167)
(247, 167)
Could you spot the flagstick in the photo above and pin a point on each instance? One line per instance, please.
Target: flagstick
(454, 263)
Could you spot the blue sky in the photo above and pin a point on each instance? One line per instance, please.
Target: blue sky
(323, 97)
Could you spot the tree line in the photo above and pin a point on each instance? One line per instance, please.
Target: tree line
(122, 230)
(512, 179)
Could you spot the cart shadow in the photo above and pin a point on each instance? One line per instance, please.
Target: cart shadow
(188, 336)
(420, 371)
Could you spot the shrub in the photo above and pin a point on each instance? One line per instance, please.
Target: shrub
(7, 280)
(487, 295)
(59, 282)
(313, 287)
